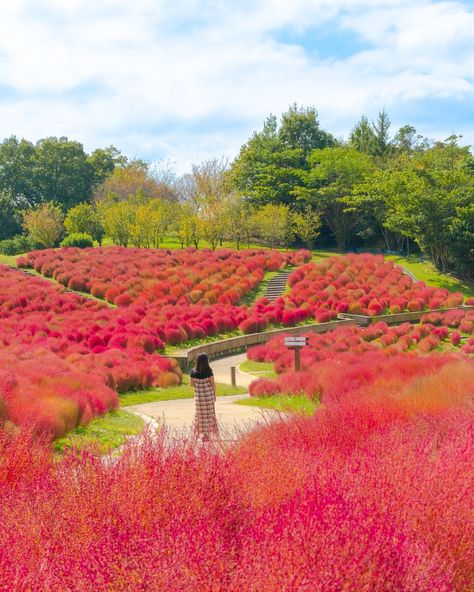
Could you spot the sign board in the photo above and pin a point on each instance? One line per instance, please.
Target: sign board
(296, 341)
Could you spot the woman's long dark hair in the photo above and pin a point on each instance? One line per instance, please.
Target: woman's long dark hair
(202, 365)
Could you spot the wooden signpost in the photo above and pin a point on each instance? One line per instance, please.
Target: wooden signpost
(296, 343)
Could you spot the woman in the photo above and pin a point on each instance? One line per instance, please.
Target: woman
(202, 379)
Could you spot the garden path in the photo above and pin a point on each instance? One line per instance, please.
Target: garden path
(178, 414)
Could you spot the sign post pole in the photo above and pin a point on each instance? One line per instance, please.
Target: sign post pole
(296, 343)
(297, 359)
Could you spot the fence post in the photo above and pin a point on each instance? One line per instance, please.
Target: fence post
(297, 359)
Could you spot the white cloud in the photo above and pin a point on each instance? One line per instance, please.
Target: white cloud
(175, 78)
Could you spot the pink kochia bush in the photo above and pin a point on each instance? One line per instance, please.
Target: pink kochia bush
(363, 284)
(63, 357)
(181, 295)
(372, 493)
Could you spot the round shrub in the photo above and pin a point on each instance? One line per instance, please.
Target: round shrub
(80, 240)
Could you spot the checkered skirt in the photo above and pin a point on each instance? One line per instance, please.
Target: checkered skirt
(205, 421)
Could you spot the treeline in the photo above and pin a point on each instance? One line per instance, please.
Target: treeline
(292, 183)
(375, 190)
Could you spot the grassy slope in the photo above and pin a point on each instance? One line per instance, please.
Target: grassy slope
(9, 259)
(281, 403)
(426, 271)
(107, 432)
(258, 369)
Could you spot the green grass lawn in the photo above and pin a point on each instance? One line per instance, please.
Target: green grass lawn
(106, 433)
(427, 272)
(259, 369)
(322, 254)
(10, 259)
(183, 391)
(281, 403)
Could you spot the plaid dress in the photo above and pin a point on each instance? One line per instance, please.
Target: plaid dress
(205, 421)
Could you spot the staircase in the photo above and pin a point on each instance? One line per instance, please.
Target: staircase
(276, 286)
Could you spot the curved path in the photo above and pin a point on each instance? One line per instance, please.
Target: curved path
(178, 414)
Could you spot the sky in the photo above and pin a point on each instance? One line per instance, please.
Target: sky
(186, 80)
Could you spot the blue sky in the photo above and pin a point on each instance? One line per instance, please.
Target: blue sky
(185, 80)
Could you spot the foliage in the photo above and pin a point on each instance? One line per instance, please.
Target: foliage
(45, 224)
(371, 493)
(10, 222)
(52, 170)
(272, 225)
(306, 225)
(179, 296)
(398, 193)
(78, 239)
(16, 245)
(131, 178)
(84, 218)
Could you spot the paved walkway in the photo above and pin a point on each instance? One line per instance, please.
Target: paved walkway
(221, 368)
(178, 414)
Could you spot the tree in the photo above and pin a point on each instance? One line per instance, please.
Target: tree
(238, 219)
(10, 223)
(362, 136)
(54, 169)
(17, 163)
(116, 219)
(188, 226)
(333, 175)
(151, 222)
(84, 219)
(300, 129)
(381, 127)
(103, 162)
(306, 225)
(461, 243)
(272, 225)
(130, 179)
(407, 140)
(45, 224)
(62, 172)
(270, 165)
(424, 193)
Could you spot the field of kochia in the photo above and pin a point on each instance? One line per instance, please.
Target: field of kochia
(64, 356)
(372, 493)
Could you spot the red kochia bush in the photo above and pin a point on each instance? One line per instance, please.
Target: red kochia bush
(369, 494)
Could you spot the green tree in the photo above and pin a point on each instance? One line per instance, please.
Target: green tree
(84, 219)
(307, 225)
(17, 164)
(117, 219)
(272, 225)
(271, 164)
(103, 162)
(10, 223)
(424, 194)
(62, 172)
(300, 129)
(362, 136)
(44, 224)
(461, 235)
(331, 180)
(188, 225)
(381, 127)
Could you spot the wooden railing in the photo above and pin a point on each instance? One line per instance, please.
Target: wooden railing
(216, 349)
